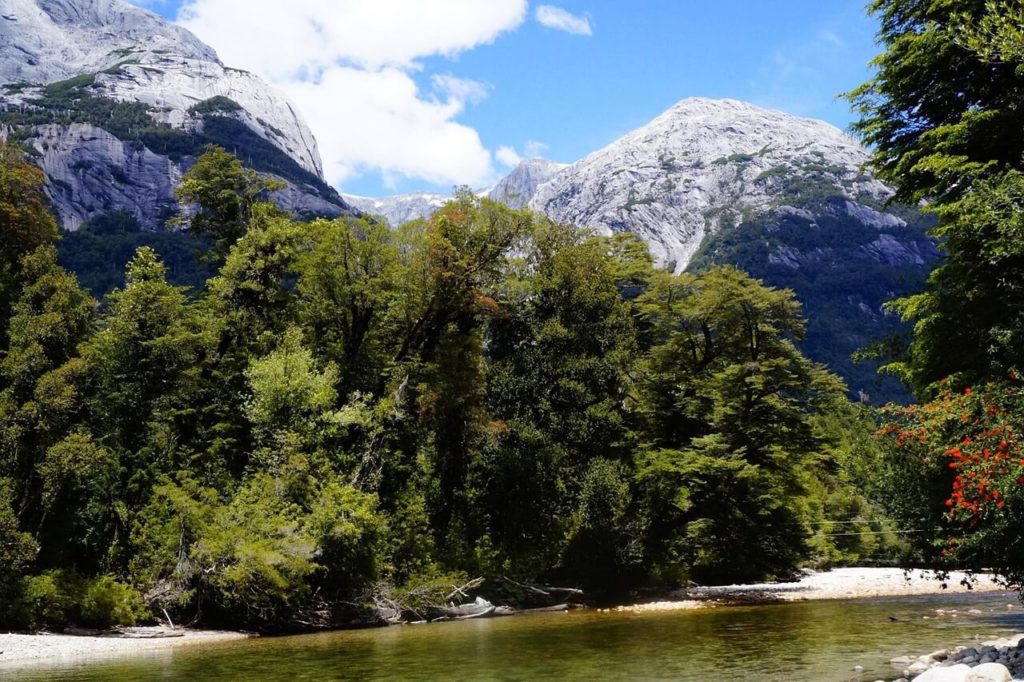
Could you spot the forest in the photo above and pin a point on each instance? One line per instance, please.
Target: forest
(344, 411)
(343, 415)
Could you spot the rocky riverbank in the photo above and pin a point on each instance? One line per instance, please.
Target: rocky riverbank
(997, 660)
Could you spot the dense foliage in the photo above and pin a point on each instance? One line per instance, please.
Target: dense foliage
(345, 410)
(98, 252)
(944, 114)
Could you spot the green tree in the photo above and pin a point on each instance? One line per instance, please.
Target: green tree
(353, 291)
(25, 222)
(40, 375)
(222, 194)
(998, 36)
(559, 357)
(145, 360)
(729, 401)
(17, 551)
(942, 114)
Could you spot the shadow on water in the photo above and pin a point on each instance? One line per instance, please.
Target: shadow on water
(778, 642)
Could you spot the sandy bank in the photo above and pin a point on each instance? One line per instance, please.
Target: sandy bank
(840, 583)
(48, 647)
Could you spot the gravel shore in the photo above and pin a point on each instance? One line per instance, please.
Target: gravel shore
(42, 648)
(840, 583)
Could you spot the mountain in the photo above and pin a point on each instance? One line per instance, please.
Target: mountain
(515, 190)
(398, 209)
(114, 103)
(785, 198)
(518, 187)
(788, 199)
(703, 165)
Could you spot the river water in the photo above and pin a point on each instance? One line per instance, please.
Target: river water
(820, 641)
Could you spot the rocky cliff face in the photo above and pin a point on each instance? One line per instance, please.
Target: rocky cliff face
(518, 187)
(116, 103)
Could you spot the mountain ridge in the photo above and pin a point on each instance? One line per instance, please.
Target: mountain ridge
(698, 166)
(114, 102)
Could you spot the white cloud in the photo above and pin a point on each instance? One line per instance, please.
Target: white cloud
(461, 89)
(534, 148)
(561, 20)
(508, 156)
(349, 66)
(379, 121)
(279, 39)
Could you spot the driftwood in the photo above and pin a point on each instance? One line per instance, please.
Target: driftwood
(461, 590)
(544, 590)
(421, 605)
(480, 608)
(152, 635)
(123, 633)
(90, 632)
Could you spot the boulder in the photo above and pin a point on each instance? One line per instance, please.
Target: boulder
(989, 672)
(955, 673)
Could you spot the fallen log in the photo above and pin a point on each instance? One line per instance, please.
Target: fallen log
(477, 609)
(545, 590)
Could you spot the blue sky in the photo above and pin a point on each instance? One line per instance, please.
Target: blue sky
(409, 95)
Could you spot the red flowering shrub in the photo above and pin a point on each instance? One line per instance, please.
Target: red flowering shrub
(966, 451)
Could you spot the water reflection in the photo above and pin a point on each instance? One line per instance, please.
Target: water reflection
(784, 642)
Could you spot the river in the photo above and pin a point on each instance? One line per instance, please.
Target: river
(820, 641)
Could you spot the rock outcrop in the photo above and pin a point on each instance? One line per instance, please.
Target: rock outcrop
(115, 103)
(518, 187)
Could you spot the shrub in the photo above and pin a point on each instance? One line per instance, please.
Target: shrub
(107, 602)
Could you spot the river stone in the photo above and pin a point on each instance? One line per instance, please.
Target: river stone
(900, 660)
(955, 673)
(940, 655)
(918, 667)
(989, 672)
